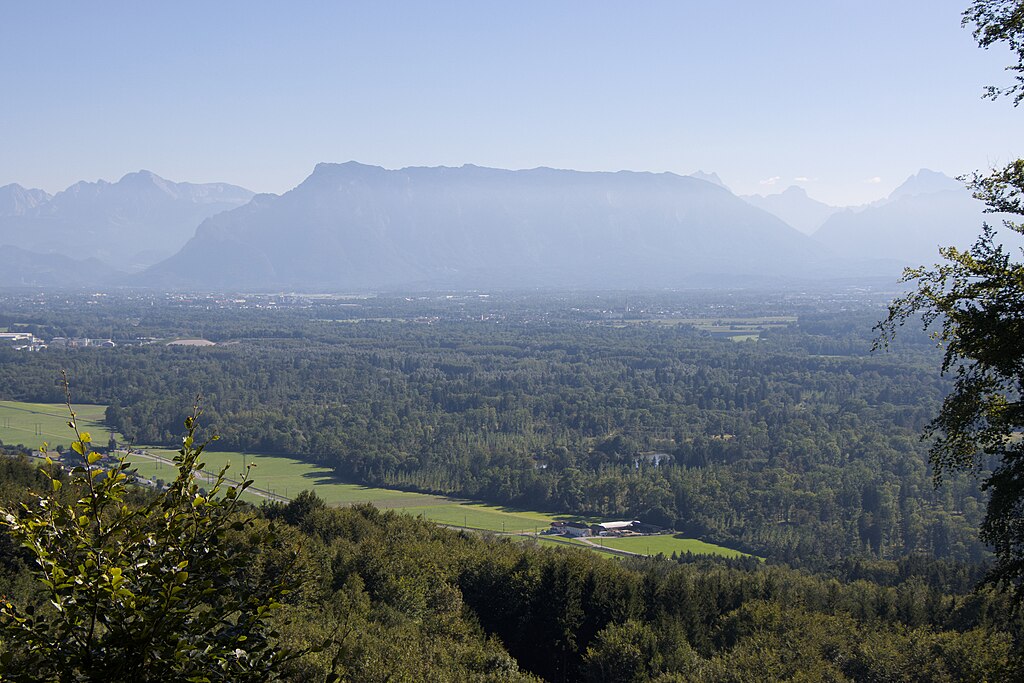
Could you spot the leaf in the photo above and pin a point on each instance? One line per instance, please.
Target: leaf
(93, 458)
(77, 447)
(56, 484)
(86, 437)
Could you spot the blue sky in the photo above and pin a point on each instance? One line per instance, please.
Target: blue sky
(851, 97)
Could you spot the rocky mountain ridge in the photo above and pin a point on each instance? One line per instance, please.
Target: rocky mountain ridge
(127, 225)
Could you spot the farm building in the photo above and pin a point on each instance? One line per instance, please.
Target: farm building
(570, 528)
(605, 528)
(576, 529)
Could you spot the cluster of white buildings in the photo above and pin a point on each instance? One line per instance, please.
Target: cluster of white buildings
(80, 342)
(25, 341)
(621, 528)
(21, 341)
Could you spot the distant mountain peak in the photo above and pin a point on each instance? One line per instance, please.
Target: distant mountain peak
(926, 181)
(327, 167)
(328, 171)
(794, 206)
(709, 178)
(16, 200)
(928, 211)
(144, 179)
(141, 174)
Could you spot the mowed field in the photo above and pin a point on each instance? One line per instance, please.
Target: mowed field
(488, 517)
(666, 545)
(32, 423)
(287, 477)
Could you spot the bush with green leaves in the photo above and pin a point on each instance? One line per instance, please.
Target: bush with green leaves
(161, 590)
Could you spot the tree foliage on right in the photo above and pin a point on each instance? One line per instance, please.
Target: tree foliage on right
(974, 302)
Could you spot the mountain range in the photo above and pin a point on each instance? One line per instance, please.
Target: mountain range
(928, 211)
(356, 227)
(128, 225)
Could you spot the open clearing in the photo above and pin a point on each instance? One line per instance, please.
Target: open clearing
(32, 423)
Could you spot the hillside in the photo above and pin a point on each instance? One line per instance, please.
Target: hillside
(24, 268)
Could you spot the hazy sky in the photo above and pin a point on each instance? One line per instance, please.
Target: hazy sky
(851, 97)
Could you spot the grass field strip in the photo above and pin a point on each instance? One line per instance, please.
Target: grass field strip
(31, 424)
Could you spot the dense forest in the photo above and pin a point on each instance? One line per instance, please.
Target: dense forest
(802, 446)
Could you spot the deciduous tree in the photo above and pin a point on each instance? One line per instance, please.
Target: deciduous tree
(974, 302)
(158, 591)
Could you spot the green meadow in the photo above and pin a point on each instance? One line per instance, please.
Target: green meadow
(285, 476)
(548, 541)
(485, 517)
(666, 545)
(32, 423)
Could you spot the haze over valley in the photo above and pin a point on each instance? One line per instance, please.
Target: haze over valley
(354, 227)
